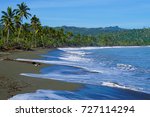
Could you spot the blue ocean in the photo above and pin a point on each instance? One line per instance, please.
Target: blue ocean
(107, 73)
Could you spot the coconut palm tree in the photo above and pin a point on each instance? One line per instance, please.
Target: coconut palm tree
(22, 12)
(26, 30)
(35, 23)
(7, 20)
(17, 24)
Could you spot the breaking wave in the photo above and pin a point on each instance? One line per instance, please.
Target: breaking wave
(95, 48)
(121, 67)
(89, 92)
(116, 85)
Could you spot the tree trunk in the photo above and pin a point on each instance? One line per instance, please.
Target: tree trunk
(42, 42)
(8, 32)
(35, 41)
(19, 32)
(32, 42)
(19, 29)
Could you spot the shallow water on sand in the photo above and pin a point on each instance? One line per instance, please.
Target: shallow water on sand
(107, 72)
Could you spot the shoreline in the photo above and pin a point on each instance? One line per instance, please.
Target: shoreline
(82, 47)
(12, 83)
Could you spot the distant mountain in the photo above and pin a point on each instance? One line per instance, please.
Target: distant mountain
(90, 31)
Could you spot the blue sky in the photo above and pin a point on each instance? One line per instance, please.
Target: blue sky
(88, 13)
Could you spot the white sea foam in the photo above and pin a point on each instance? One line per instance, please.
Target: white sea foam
(93, 48)
(60, 95)
(126, 67)
(65, 63)
(110, 84)
(55, 76)
(116, 85)
(74, 58)
(39, 95)
(67, 57)
(77, 53)
(92, 72)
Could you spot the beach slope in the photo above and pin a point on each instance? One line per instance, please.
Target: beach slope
(12, 83)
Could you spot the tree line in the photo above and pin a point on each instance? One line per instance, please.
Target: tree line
(134, 37)
(18, 35)
(15, 34)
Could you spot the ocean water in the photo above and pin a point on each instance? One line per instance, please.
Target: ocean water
(106, 72)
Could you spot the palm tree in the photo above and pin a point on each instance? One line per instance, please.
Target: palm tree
(26, 30)
(17, 21)
(17, 24)
(7, 20)
(22, 12)
(35, 23)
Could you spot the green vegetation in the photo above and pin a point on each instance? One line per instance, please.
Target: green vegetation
(15, 34)
(113, 36)
(90, 31)
(134, 37)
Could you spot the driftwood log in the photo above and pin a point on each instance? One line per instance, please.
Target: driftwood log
(29, 62)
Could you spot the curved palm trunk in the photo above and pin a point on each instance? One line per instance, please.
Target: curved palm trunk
(19, 32)
(20, 28)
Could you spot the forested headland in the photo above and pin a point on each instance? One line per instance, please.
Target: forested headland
(15, 33)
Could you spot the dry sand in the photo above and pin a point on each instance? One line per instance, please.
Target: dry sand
(12, 83)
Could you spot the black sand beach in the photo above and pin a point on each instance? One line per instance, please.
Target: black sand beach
(12, 83)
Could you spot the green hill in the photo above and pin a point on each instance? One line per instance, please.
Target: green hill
(90, 31)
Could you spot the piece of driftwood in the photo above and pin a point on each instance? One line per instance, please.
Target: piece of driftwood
(30, 62)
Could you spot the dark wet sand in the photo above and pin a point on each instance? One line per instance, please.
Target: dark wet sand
(12, 83)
